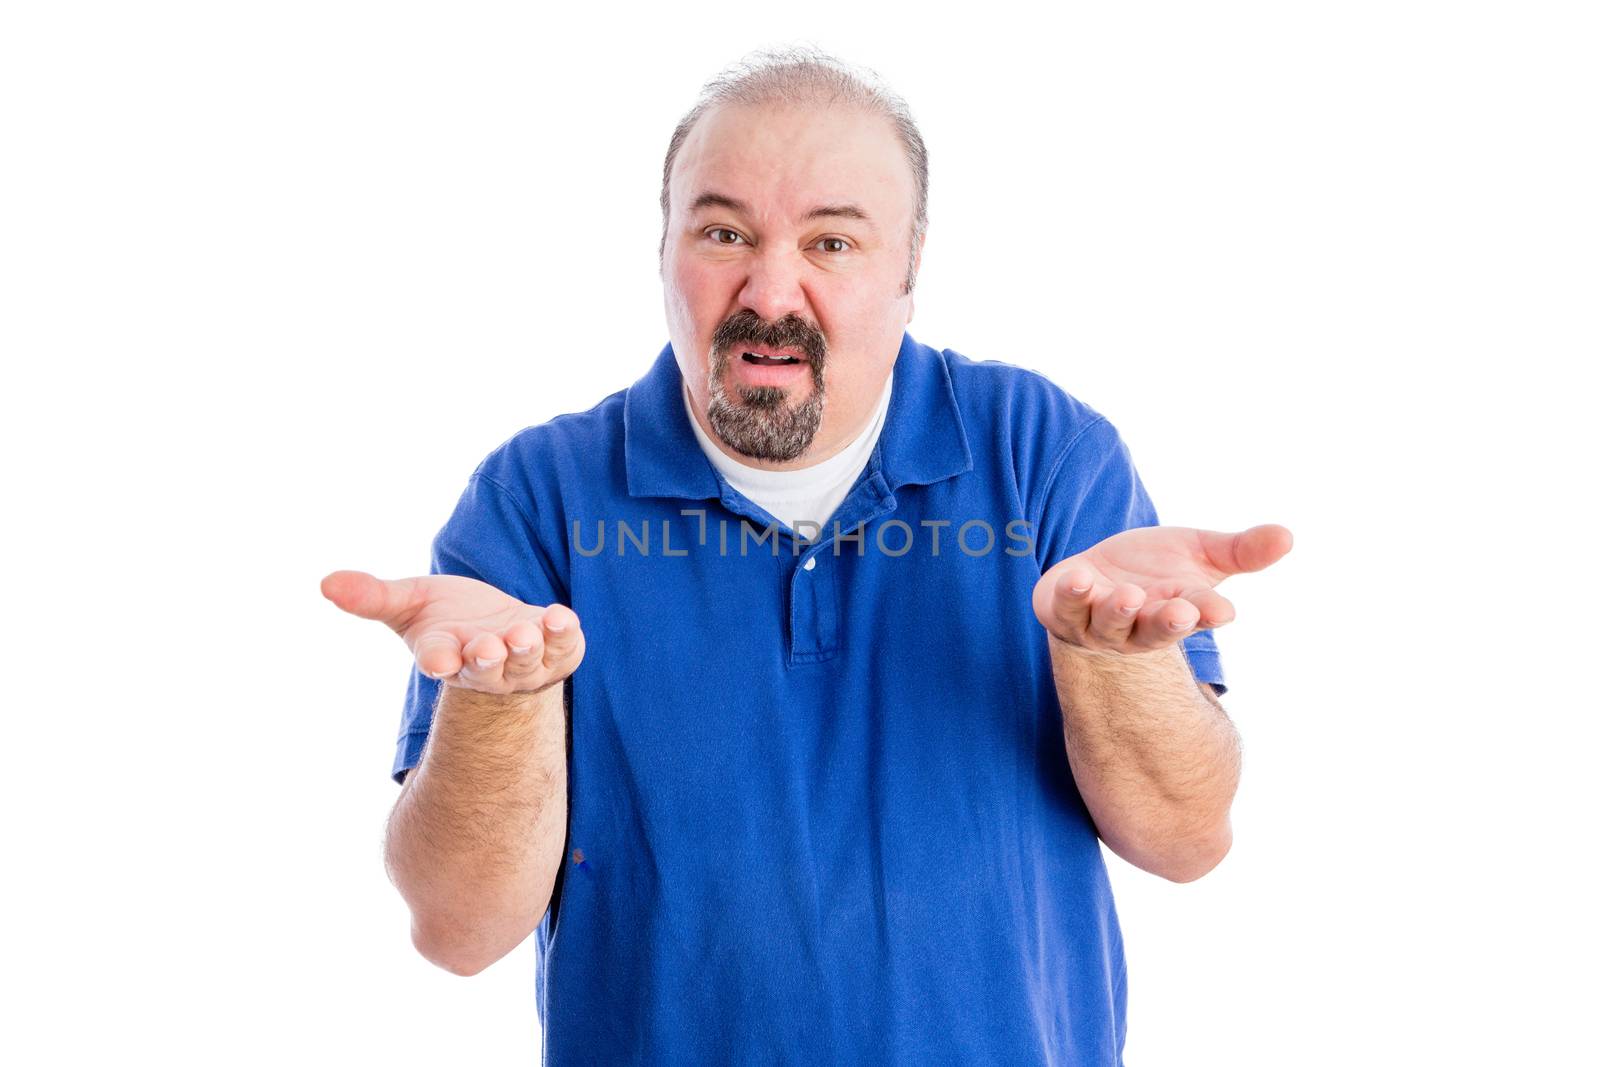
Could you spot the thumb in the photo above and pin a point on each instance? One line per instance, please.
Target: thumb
(1252, 550)
(370, 597)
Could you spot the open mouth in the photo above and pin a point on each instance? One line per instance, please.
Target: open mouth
(761, 359)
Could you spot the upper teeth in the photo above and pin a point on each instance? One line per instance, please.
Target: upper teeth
(772, 359)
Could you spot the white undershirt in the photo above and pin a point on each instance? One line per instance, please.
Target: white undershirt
(808, 494)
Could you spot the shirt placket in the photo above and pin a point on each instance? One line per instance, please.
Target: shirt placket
(815, 622)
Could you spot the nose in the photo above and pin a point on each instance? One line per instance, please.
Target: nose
(772, 289)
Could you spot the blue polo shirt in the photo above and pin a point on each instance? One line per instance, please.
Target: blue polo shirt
(820, 808)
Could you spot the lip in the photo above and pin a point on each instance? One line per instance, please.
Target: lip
(763, 350)
(787, 374)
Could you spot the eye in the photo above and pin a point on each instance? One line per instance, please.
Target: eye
(842, 244)
(733, 237)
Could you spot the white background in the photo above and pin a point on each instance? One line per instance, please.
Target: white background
(274, 277)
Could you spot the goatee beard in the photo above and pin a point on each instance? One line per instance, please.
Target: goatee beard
(761, 423)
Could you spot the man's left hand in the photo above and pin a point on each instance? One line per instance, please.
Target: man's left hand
(1144, 589)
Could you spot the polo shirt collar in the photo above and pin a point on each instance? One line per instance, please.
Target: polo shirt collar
(923, 438)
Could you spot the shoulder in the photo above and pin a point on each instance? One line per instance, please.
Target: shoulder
(1031, 423)
(1006, 399)
(566, 450)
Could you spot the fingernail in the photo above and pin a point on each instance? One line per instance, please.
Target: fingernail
(1180, 625)
(555, 627)
(1127, 611)
(521, 650)
(482, 663)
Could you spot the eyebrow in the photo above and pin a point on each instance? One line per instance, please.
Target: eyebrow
(822, 211)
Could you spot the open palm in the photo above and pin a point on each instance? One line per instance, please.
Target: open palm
(466, 632)
(1140, 590)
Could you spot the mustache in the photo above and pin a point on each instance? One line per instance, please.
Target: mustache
(791, 331)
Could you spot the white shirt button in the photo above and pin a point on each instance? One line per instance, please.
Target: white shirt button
(810, 564)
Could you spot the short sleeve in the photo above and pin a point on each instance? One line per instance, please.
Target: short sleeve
(491, 536)
(1093, 493)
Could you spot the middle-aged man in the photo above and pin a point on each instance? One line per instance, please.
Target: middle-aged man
(878, 643)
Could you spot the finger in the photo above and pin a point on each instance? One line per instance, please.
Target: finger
(563, 637)
(370, 597)
(525, 644)
(1112, 618)
(482, 661)
(1163, 622)
(1251, 550)
(438, 654)
(1215, 609)
(1069, 602)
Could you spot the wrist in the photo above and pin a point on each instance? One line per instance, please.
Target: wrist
(1112, 655)
(476, 700)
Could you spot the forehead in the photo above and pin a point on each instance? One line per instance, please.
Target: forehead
(785, 159)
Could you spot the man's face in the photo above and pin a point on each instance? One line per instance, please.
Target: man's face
(788, 236)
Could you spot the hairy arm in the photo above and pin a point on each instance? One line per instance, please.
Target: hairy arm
(1155, 757)
(475, 841)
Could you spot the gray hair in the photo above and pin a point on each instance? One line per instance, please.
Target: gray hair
(806, 75)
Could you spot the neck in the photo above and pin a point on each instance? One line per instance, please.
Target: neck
(824, 446)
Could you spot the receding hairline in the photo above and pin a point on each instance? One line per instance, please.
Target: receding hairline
(808, 78)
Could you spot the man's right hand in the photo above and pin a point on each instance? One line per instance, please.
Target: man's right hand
(465, 632)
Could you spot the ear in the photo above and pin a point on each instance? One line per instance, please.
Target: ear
(916, 270)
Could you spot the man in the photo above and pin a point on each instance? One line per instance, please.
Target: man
(877, 642)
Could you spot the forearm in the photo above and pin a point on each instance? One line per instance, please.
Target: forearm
(1155, 759)
(475, 840)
